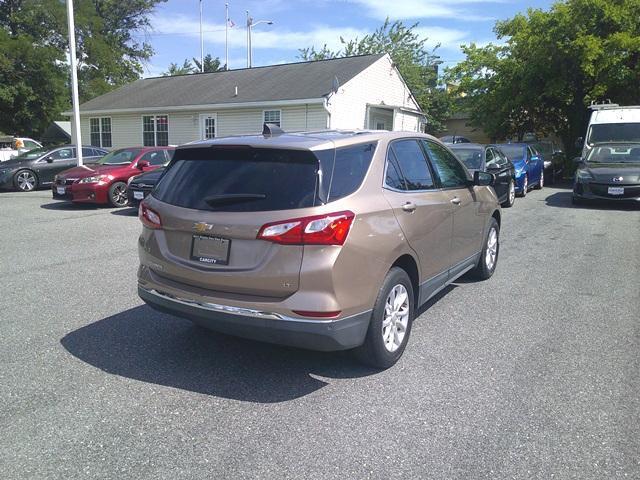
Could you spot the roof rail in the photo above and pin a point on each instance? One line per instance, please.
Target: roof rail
(271, 130)
(602, 106)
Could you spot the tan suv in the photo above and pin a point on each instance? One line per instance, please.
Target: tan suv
(322, 240)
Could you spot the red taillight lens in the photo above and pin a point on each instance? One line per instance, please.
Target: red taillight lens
(329, 229)
(313, 314)
(149, 217)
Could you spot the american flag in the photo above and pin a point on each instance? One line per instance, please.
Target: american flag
(230, 23)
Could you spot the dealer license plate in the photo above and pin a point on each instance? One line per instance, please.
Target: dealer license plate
(616, 191)
(210, 250)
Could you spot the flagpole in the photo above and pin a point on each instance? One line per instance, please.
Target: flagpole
(201, 42)
(226, 36)
(74, 82)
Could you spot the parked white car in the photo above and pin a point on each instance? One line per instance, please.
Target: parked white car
(14, 146)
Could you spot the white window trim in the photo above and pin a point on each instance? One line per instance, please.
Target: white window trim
(201, 117)
(100, 130)
(272, 110)
(155, 129)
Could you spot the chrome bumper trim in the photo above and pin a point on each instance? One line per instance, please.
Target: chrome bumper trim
(240, 311)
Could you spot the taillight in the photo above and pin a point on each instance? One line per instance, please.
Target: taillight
(315, 314)
(329, 229)
(149, 217)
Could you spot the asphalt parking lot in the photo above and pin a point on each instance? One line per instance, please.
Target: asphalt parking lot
(532, 374)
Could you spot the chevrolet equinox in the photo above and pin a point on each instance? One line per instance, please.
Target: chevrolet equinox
(322, 240)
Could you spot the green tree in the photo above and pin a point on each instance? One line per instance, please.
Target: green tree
(34, 74)
(553, 64)
(193, 66)
(175, 69)
(210, 64)
(417, 64)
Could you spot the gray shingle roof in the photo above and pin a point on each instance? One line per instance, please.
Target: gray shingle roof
(276, 82)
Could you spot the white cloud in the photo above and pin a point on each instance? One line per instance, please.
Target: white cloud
(417, 9)
(448, 38)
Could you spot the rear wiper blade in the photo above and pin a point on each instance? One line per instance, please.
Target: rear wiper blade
(234, 198)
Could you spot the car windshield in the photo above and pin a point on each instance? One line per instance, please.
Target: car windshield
(120, 157)
(615, 153)
(614, 132)
(513, 152)
(31, 154)
(471, 157)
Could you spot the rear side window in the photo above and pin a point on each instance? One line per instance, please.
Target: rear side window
(343, 170)
(240, 179)
(407, 157)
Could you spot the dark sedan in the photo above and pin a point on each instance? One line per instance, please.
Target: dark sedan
(490, 159)
(141, 185)
(611, 171)
(37, 167)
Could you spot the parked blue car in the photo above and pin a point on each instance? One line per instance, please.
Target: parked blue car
(529, 166)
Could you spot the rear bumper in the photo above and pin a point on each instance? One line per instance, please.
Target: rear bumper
(324, 335)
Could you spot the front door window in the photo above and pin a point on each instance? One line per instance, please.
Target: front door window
(208, 126)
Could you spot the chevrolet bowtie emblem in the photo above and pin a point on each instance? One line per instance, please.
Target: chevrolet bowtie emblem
(202, 227)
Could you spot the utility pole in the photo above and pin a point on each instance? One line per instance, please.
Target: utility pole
(248, 40)
(74, 82)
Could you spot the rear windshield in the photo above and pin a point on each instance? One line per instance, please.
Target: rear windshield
(513, 152)
(614, 132)
(471, 157)
(240, 180)
(262, 179)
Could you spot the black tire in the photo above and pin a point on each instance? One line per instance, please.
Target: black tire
(25, 180)
(484, 271)
(525, 187)
(540, 184)
(118, 195)
(373, 351)
(508, 203)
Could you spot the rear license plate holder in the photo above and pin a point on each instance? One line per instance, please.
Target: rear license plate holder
(210, 250)
(615, 191)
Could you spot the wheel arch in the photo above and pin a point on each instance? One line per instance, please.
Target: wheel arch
(409, 265)
(498, 216)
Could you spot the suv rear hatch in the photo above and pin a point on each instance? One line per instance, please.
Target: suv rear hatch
(214, 202)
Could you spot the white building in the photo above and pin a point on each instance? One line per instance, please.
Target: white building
(363, 92)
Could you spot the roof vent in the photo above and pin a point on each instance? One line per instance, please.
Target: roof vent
(271, 130)
(236, 91)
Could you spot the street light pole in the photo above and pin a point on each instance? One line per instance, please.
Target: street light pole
(201, 42)
(74, 82)
(251, 24)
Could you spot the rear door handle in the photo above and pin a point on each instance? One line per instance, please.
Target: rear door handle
(409, 207)
(455, 201)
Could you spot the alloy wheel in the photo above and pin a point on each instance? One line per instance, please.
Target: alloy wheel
(396, 318)
(492, 249)
(26, 181)
(119, 196)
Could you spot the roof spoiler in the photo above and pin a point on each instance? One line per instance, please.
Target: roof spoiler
(271, 130)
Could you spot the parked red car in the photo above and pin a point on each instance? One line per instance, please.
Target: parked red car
(105, 182)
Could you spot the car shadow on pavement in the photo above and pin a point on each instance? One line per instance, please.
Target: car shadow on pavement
(563, 200)
(65, 206)
(152, 347)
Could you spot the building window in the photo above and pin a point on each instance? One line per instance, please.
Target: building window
(100, 132)
(208, 126)
(155, 130)
(272, 116)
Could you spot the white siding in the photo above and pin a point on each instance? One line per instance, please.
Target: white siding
(185, 126)
(379, 84)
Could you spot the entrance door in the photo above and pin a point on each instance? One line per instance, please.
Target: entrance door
(208, 126)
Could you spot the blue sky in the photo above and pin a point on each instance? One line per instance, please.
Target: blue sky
(300, 23)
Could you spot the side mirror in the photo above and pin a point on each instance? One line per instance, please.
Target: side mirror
(483, 179)
(142, 164)
(49, 159)
(535, 158)
(579, 143)
(578, 160)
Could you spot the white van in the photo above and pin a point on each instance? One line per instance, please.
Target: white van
(612, 123)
